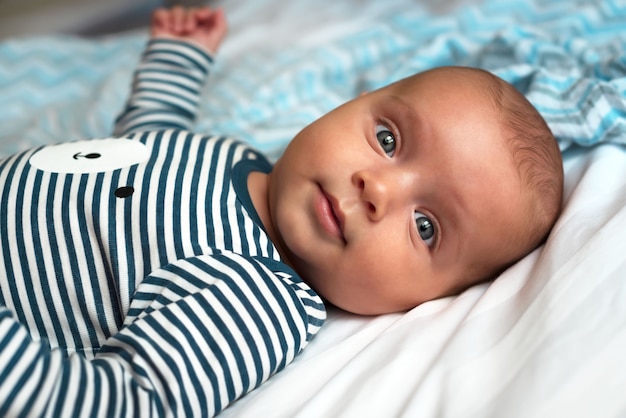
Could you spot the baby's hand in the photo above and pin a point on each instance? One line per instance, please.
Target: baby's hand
(202, 26)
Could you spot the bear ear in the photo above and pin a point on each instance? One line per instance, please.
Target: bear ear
(90, 156)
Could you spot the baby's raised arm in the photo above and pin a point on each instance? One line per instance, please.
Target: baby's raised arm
(174, 67)
(202, 26)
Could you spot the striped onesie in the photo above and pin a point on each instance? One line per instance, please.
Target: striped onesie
(136, 278)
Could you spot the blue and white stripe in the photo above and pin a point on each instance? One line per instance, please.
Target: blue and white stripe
(186, 68)
(171, 301)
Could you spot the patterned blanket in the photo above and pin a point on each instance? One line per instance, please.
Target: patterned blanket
(567, 56)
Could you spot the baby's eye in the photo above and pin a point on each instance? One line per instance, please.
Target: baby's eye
(425, 228)
(386, 139)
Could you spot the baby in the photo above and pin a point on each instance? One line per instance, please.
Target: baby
(163, 272)
(413, 192)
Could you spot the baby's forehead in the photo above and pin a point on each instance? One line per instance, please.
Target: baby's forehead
(456, 82)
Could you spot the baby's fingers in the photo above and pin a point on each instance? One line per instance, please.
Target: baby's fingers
(213, 27)
(216, 19)
(203, 26)
(160, 20)
(178, 19)
(203, 14)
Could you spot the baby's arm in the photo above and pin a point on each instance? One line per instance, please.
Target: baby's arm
(168, 82)
(200, 333)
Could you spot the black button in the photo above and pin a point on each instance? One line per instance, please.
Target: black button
(125, 191)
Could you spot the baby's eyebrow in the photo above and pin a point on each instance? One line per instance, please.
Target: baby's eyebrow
(406, 116)
(403, 107)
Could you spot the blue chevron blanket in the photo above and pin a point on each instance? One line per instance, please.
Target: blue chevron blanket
(567, 56)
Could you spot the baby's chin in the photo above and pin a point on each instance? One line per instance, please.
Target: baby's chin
(368, 306)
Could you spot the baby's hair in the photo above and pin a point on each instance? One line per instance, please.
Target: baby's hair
(536, 155)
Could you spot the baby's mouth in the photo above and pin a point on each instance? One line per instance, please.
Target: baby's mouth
(329, 214)
(335, 211)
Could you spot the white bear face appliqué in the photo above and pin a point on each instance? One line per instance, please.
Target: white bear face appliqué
(90, 156)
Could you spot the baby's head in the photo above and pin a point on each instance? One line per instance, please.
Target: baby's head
(415, 191)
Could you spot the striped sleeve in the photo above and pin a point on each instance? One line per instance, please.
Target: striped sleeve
(202, 332)
(166, 87)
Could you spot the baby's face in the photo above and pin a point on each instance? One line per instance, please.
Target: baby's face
(400, 196)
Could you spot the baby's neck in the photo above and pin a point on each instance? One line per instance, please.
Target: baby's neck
(258, 187)
(259, 190)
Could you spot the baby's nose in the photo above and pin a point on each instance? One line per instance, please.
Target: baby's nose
(377, 190)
